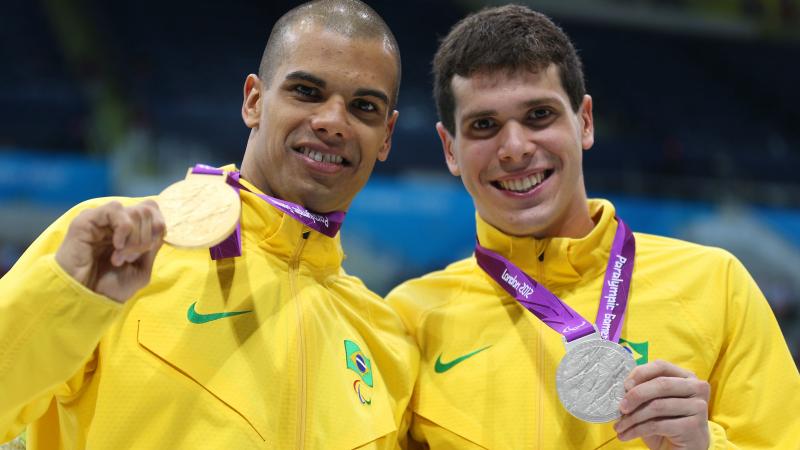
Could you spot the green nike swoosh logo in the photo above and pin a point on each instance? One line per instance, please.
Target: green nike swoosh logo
(196, 317)
(441, 367)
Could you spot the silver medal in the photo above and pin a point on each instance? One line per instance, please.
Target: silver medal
(590, 376)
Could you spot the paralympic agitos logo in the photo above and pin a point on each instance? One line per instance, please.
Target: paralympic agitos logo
(361, 365)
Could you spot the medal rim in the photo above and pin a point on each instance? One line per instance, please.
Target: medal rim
(190, 183)
(627, 360)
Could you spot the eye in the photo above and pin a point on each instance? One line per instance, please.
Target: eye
(482, 124)
(306, 91)
(540, 114)
(364, 105)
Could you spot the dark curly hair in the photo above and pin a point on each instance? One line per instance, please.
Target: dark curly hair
(507, 38)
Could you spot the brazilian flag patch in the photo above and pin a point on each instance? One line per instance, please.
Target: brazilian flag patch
(357, 362)
(639, 350)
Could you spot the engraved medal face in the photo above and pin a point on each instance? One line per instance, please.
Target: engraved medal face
(200, 211)
(589, 379)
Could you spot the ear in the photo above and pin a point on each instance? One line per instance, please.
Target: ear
(447, 147)
(587, 123)
(383, 154)
(251, 105)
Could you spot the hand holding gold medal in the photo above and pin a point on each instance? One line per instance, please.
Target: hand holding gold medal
(110, 249)
(199, 211)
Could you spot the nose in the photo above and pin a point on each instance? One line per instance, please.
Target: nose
(330, 118)
(514, 143)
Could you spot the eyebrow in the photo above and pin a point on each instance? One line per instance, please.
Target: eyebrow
(482, 113)
(526, 104)
(542, 101)
(305, 76)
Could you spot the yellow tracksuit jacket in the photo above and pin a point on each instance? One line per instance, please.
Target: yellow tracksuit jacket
(309, 359)
(487, 370)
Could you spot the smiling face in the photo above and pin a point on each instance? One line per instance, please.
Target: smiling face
(518, 149)
(324, 120)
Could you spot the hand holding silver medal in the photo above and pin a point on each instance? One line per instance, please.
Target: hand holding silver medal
(590, 376)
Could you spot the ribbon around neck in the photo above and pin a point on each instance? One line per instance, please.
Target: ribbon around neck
(555, 312)
(327, 224)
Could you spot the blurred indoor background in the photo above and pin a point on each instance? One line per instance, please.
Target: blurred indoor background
(696, 108)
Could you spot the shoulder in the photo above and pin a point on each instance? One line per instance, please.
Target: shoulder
(100, 201)
(700, 276)
(52, 236)
(352, 291)
(66, 218)
(677, 250)
(417, 296)
(424, 291)
(353, 287)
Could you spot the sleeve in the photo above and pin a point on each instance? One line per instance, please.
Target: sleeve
(408, 375)
(50, 326)
(755, 383)
(407, 368)
(406, 300)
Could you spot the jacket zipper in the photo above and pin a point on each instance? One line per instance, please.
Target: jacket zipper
(540, 248)
(294, 266)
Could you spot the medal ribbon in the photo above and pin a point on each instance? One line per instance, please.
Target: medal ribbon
(327, 224)
(552, 310)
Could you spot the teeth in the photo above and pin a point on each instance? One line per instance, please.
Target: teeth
(522, 184)
(322, 157)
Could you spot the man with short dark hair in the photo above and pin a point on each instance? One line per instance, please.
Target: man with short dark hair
(564, 320)
(109, 340)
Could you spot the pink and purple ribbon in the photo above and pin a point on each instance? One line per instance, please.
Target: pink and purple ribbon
(552, 310)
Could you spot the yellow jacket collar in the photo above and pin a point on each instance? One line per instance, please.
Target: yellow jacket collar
(281, 234)
(557, 261)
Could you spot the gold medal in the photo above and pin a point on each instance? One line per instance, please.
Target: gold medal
(200, 211)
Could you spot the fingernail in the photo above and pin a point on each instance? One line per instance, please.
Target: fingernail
(623, 406)
(628, 384)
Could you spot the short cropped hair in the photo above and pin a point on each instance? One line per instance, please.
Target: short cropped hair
(351, 18)
(507, 38)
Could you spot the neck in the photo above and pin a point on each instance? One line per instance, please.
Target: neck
(251, 168)
(574, 222)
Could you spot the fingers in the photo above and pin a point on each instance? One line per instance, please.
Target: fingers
(689, 429)
(656, 411)
(136, 229)
(653, 370)
(663, 387)
(664, 400)
(110, 249)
